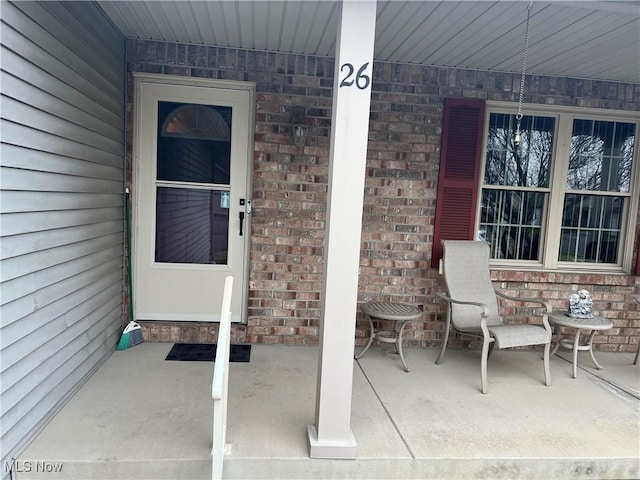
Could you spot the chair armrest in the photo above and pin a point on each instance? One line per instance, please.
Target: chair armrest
(483, 314)
(545, 315)
(525, 299)
(477, 304)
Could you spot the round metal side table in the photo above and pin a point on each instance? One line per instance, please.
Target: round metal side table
(588, 326)
(400, 313)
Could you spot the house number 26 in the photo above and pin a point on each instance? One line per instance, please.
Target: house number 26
(361, 80)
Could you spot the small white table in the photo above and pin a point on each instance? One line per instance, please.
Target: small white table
(400, 313)
(588, 326)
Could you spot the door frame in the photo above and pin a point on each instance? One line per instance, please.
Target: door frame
(169, 80)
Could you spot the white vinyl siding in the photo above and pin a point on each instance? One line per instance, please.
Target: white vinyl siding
(61, 206)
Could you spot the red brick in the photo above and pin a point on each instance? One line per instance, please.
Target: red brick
(290, 196)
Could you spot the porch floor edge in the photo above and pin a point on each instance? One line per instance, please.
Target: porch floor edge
(141, 417)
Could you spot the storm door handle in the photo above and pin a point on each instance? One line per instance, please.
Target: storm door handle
(241, 222)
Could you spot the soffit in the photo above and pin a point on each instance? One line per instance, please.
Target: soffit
(584, 39)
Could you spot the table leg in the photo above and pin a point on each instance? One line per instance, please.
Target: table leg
(371, 337)
(558, 336)
(576, 347)
(399, 347)
(593, 359)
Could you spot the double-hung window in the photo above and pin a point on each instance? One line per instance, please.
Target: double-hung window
(563, 196)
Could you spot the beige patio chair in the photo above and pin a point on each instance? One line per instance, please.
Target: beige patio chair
(473, 308)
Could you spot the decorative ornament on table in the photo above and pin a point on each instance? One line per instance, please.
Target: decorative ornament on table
(580, 304)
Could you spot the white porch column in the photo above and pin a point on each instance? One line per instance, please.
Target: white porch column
(331, 435)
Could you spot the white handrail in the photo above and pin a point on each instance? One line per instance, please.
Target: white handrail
(220, 382)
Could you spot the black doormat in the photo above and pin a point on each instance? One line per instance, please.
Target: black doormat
(206, 352)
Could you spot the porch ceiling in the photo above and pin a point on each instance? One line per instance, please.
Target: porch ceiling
(584, 39)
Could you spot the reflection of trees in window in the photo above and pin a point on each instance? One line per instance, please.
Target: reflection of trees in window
(600, 156)
(600, 160)
(524, 165)
(511, 219)
(523, 220)
(584, 163)
(624, 176)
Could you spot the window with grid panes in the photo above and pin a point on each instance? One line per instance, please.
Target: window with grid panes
(562, 197)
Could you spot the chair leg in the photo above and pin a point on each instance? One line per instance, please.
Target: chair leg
(445, 339)
(493, 344)
(483, 364)
(635, 361)
(547, 370)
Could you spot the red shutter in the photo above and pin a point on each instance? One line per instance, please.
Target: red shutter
(459, 178)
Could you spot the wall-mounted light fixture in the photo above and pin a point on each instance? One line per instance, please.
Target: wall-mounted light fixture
(299, 135)
(299, 129)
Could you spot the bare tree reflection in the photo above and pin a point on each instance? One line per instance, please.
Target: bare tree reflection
(601, 156)
(511, 219)
(600, 160)
(517, 181)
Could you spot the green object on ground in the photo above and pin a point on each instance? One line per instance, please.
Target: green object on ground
(132, 335)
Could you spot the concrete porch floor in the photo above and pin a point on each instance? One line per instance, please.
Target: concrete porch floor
(142, 417)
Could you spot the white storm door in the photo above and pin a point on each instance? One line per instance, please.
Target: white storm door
(191, 217)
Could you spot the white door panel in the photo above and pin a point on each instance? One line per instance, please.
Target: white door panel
(192, 146)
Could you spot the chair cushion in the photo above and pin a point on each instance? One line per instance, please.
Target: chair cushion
(519, 335)
(467, 277)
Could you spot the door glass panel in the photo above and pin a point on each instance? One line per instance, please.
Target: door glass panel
(194, 146)
(194, 143)
(192, 226)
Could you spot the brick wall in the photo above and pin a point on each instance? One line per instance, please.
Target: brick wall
(290, 190)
